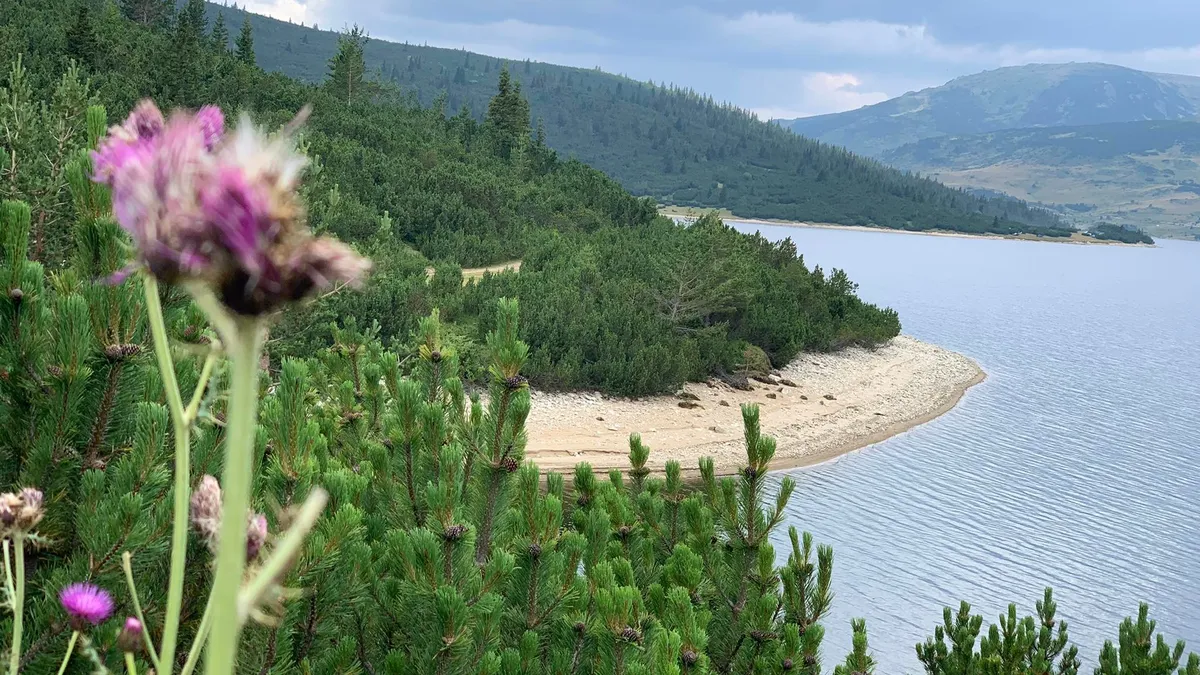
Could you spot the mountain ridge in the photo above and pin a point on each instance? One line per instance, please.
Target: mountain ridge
(1033, 95)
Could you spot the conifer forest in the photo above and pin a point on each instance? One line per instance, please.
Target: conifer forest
(233, 310)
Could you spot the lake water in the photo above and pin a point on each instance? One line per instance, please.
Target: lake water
(1075, 465)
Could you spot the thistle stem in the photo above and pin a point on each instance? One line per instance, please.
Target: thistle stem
(70, 650)
(127, 565)
(284, 553)
(201, 636)
(183, 477)
(236, 482)
(18, 597)
(130, 666)
(193, 408)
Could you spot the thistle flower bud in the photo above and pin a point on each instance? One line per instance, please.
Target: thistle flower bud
(206, 510)
(130, 638)
(256, 536)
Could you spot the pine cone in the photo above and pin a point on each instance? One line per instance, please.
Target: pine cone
(55, 371)
(579, 626)
(583, 499)
(631, 634)
(435, 356)
(696, 599)
(787, 664)
(535, 551)
(509, 464)
(16, 295)
(761, 635)
(515, 382)
(454, 533)
(623, 532)
(750, 473)
(690, 657)
(810, 660)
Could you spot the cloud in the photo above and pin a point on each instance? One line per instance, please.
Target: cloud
(794, 94)
(295, 11)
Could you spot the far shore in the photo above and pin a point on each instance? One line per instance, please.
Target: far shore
(1077, 238)
(842, 402)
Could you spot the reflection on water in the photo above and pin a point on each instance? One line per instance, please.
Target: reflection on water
(1075, 465)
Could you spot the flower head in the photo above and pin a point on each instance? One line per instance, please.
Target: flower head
(20, 511)
(130, 637)
(206, 510)
(86, 604)
(220, 210)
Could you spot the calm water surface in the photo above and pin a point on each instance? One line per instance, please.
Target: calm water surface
(1075, 465)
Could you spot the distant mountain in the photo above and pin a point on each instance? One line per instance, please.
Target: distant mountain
(1145, 174)
(1038, 95)
(674, 145)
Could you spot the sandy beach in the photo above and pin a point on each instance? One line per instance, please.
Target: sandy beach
(841, 402)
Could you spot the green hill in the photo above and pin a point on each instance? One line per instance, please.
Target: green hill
(1143, 174)
(615, 297)
(674, 145)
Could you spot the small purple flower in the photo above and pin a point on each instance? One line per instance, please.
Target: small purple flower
(206, 510)
(87, 604)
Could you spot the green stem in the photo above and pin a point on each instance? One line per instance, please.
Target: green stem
(130, 666)
(127, 564)
(197, 396)
(19, 599)
(284, 553)
(70, 650)
(183, 478)
(198, 641)
(235, 483)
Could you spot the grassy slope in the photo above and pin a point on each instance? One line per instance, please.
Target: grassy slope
(1139, 173)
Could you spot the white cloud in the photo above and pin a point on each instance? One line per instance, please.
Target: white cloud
(295, 11)
(789, 33)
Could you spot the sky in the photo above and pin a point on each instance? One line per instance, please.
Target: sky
(784, 59)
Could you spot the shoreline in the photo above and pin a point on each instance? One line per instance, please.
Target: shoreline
(1077, 239)
(843, 402)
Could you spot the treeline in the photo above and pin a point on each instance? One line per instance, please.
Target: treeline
(614, 297)
(674, 145)
(1122, 233)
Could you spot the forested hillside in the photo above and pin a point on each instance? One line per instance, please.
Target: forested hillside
(674, 145)
(623, 299)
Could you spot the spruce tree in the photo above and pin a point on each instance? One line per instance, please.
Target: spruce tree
(244, 45)
(220, 34)
(348, 66)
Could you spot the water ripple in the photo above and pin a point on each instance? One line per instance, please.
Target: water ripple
(1075, 465)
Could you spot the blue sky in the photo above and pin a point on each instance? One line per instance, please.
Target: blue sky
(784, 59)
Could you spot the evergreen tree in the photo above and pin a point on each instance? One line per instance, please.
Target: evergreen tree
(244, 45)
(82, 44)
(348, 65)
(148, 12)
(220, 34)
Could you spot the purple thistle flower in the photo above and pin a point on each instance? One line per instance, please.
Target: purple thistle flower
(87, 604)
(219, 210)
